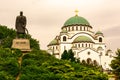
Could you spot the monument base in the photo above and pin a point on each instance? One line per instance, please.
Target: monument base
(22, 44)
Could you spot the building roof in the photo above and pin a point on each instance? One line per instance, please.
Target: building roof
(64, 30)
(98, 32)
(76, 20)
(53, 42)
(82, 39)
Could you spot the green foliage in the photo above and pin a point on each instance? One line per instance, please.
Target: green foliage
(34, 44)
(68, 55)
(34, 65)
(115, 64)
(6, 32)
(39, 65)
(71, 55)
(5, 76)
(65, 55)
(7, 35)
(9, 66)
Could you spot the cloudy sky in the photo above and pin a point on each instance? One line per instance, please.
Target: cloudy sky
(46, 17)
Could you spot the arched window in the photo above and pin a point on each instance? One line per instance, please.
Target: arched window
(53, 47)
(89, 61)
(89, 45)
(76, 27)
(83, 62)
(80, 28)
(100, 39)
(68, 28)
(82, 45)
(72, 28)
(84, 28)
(95, 63)
(86, 45)
(56, 47)
(78, 45)
(64, 38)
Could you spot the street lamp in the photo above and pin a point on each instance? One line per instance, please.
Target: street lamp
(100, 61)
(100, 56)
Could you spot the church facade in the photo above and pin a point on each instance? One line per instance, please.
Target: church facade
(88, 46)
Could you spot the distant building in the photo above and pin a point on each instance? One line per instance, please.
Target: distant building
(89, 46)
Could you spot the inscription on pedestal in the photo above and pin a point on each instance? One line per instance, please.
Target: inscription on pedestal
(22, 44)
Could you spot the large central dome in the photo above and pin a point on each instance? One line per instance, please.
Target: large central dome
(76, 20)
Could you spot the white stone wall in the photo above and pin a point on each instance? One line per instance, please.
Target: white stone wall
(93, 55)
(82, 52)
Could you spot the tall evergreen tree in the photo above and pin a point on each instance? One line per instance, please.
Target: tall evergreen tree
(71, 55)
(115, 64)
(68, 55)
(65, 55)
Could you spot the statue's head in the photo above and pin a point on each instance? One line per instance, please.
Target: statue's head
(21, 13)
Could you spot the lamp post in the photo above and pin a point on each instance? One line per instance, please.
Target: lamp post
(100, 59)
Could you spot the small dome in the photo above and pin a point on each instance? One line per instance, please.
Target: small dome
(76, 20)
(82, 39)
(99, 32)
(64, 30)
(53, 42)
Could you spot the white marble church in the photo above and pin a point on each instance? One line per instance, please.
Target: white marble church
(89, 46)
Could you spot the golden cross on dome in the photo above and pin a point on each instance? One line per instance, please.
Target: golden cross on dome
(76, 11)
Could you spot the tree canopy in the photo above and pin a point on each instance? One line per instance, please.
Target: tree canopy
(38, 64)
(68, 55)
(9, 66)
(7, 35)
(115, 64)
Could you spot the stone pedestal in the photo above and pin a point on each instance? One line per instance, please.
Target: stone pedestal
(22, 44)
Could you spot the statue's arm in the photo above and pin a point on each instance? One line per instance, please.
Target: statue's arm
(25, 21)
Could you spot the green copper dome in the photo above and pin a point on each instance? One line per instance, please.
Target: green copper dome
(64, 30)
(98, 32)
(76, 20)
(54, 42)
(82, 39)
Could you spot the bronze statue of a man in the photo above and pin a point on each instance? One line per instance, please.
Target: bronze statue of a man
(20, 24)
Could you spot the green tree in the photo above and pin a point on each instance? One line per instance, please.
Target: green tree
(68, 55)
(34, 44)
(9, 67)
(39, 65)
(115, 64)
(7, 35)
(71, 55)
(65, 55)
